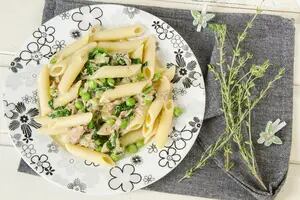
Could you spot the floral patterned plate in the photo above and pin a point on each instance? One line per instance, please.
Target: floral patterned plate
(58, 166)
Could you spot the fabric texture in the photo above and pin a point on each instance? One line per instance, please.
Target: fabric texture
(272, 38)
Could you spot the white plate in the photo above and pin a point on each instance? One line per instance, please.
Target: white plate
(58, 166)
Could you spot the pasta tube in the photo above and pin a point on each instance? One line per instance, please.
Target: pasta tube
(138, 53)
(43, 90)
(116, 71)
(149, 57)
(131, 137)
(90, 155)
(124, 90)
(73, 120)
(119, 33)
(75, 66)
(123, 46)
(165, 124)
(67, 97)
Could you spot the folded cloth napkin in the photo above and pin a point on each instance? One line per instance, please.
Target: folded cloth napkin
(272, 38)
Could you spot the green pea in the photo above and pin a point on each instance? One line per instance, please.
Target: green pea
(53, 60)
(116, 157)
(81, 91)
(124, 124)
(177, 111)
(140, 76)
(79, 105)
(110, 81)
(98, 149)
(130, 102)
(110, 121)
(132, 148)
(92, 84)
(148, 99)
(140, 143)
(86, 96)
(91, 125)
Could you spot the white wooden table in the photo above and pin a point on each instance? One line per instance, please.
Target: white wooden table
(18, 18)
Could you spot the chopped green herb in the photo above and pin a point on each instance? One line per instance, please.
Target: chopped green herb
(90, 68)
(121, 107)
(60, 112)
(91, 125)
(130, 102)
(140, 143)
(111, 143)
(177, 111)
(147, 89)
(131, 149)
(136, 61)
(156, 77)
(50, 103)
(148, 99)
(98, 148)
(140, 76)
(96, 51)
(99, 139)
(79, 105)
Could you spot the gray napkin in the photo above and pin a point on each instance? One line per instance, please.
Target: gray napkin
(272, 37)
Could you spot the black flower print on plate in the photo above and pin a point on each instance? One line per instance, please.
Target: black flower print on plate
(9, 110)
(25, 119)
(184, 71)
(40, 163)
(58, 45)
(65, 15)
(75, 34)
(152, 148)
(77, 185)
(15, 65)
(35, 53)
(30, 98)
(177, 42)
(124, 178)
(44, 34)
(148, 179)
(89, 163)
(136, 160)
(87, 17)
(178, 92)
(168, 158)
(49, 171)
(179, 137)
(17, 139)
(131, 11)
(195, 124)
(163, 30)
(52, 147)
(28, 150)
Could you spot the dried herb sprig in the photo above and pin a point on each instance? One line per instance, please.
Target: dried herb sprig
(238, 102)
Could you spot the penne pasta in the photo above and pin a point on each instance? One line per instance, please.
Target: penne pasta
(151, 130)
(76, 64)
(60, 139)
(67, 97)
(43, 90)
(170, 72)
(131, 137)
(138, 52)
(149, 57)
(164, 88)
(73, 120)
(124, 90)
(123, 46)
(118, 33)
(90, 155)
(116, 71)
(71, 48)
(165, 124)
(138, 120)
(153, 111)
(45, 121)
(59, 68)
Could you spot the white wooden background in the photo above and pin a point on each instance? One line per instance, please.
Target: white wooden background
(18, 18)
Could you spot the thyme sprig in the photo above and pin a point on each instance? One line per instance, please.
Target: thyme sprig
(238, 101)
